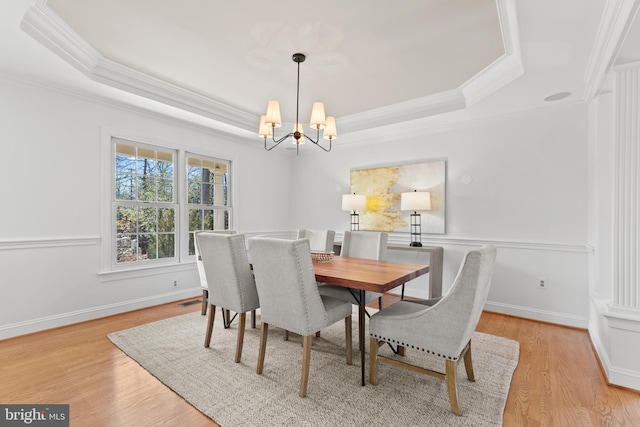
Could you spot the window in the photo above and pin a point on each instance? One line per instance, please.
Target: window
(207, 195)
(159, 197)
(144, 203)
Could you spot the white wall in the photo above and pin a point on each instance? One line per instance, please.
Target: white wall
(528, 197)
(50, 217)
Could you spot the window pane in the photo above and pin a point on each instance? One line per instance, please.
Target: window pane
(221, 195)
(221, 173)
(164, 169)
(194, 173)
(195, 223)
(208, 194)
(165, 189)
(126, 219)
(147, 220)
(192, 244)
(226, 219)
(146, 246)
(146, 189)
(124, 186)
(193, 191)
(166, 220)
(146, 166)
(208, 220)
(125, 248)
(166, 245)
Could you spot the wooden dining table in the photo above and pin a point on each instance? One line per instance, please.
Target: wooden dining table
(363, 275)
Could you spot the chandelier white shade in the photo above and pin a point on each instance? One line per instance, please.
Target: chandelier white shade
(319, 121)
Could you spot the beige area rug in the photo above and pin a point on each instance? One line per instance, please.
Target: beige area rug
(234, 395)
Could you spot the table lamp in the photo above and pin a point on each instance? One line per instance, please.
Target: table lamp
(354, 203)
(415, 201)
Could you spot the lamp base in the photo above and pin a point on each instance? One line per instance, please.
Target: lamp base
(415, 244)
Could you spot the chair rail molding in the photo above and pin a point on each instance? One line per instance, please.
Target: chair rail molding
(48, 243)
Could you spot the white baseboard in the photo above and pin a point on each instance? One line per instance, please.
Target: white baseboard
(64, 319)
(535, 314)
(616, 376)
(624, 378)
(622, 328)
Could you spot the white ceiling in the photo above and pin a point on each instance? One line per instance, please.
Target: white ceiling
(372, 62)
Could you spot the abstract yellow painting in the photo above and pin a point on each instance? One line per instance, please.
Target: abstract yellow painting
(383, 186)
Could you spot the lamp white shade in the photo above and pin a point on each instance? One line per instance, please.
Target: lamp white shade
(415, 201)
(273, 114)
(317, 116)
(330, 131)
(354, 202)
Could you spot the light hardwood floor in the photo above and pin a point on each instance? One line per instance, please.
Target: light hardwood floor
(558, 381)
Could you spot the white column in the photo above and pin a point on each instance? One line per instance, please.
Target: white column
(627, 188)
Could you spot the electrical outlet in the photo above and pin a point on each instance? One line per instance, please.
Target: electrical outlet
(542, 284)
(175, 283)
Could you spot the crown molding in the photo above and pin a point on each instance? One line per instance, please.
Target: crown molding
(46, 27)
(616, 19)
(432, 105)
(503, 70)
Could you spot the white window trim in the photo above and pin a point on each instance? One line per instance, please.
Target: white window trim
(108, 269)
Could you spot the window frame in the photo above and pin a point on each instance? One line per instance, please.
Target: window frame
(140, 204)
(205, 206)
(109, 268)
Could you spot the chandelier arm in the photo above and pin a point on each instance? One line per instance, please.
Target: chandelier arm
(317, 143)
(276, 143)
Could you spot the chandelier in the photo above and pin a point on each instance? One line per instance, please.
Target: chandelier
(270, 121)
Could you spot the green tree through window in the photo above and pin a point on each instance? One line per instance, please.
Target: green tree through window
(144, 204)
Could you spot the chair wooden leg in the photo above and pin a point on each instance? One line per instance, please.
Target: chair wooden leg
(264, 330)
(241, 325)
(373, 361)
(379, 303)
(205, 296)
(348, 340)
(285, 335)
(468, 364)
(306, 357)
(212, 314)
(253, 319)
(452, 385)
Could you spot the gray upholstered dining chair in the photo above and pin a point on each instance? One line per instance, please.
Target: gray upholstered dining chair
(359, 244)
(444, 329)
(289, 297)
(229, 278)
(203, 279)
(319, 240)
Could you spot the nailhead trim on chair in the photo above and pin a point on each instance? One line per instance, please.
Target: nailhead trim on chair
(412, 346)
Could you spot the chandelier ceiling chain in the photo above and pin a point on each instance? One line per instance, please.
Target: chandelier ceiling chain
(272, 120)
